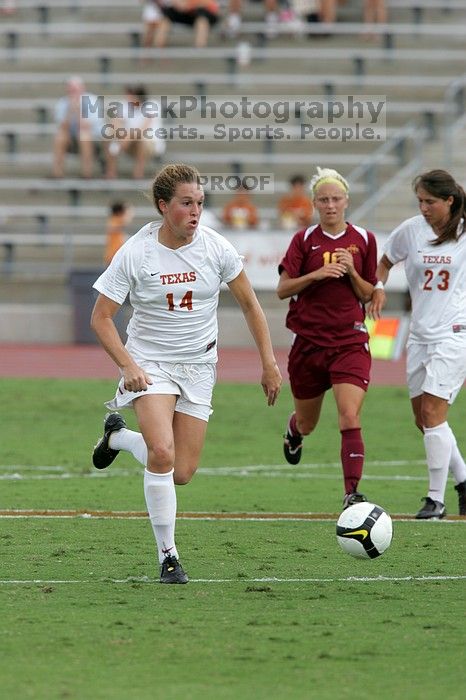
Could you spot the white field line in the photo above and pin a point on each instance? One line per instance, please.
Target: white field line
(301, 471)
(145, 579)
(212, 517)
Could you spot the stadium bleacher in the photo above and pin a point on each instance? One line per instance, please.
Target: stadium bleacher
(412, 62)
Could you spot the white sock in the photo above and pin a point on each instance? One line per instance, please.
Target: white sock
(159, 490)
(457, 464)
(130, 441)
(438, 446)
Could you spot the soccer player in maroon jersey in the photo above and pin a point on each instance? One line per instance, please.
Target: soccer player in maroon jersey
(328, 273)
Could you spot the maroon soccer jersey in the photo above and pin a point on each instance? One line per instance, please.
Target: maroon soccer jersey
(328, 312)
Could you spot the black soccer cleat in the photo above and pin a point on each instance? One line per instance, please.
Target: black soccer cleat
(461, 488)
(431, 510)
(172, 571)
(103, 455)
(351, 498)
(292, 446)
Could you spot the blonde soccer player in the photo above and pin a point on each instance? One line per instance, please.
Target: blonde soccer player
(328, 274)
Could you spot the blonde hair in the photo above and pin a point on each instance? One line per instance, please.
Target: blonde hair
(325, 176)
(167, 180)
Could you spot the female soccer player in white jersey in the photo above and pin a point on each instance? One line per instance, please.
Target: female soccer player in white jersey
(172, 271)
(433, 248)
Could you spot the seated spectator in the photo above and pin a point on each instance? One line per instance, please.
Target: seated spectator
(306, 10)
(151, 17)
(74, 133)
(295, 209)
(121, 215)
(8, 7)
(136, 133)
(240, 212)
(328, 10)
(234, 11)
(375, 11)
(199, 14)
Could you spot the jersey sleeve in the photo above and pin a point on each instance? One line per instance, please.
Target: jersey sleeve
(232, 262)
(293, 258)
(396, 248)
(115, 281)
(370, 260)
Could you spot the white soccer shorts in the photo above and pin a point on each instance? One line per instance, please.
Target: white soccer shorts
(437, 368)
(192, 383)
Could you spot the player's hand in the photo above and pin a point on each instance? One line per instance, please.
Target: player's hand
(333, 270)
(271, 383)
(345, 258)
(135, 378)
(376, 304)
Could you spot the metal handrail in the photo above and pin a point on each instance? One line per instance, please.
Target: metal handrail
(410, 134)
(455, 119)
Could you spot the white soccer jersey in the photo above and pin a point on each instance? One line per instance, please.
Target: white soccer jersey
(436, 279)
(174, 293)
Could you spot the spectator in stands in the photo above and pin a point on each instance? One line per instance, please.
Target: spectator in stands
(306, 10)
(328, 10)
(328, 274)
(121, 215)
(199, 14)
(375, 11)
(240, 212)
(137, 131)
(8, 7)
(432, 247)
(295, 209)
(74, 133)
(234, 17)
(151, 17)
(312, 11)
(173, 270)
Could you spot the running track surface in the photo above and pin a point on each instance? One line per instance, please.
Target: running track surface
(91, 362)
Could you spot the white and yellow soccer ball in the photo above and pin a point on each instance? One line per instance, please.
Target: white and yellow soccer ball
(364, 530)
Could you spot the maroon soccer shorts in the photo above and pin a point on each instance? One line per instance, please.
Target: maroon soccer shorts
(313, 370)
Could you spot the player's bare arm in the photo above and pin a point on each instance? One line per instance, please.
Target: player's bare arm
(103, 326)
(378, 299)
(255, 318)
(289, 286)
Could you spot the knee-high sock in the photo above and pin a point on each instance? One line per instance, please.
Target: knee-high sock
(130, 441)
(457, 464)
(438, 446)
(352, 457)
(160, 494)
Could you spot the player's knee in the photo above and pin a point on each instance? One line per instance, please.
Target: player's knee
(429, 417)
(183, 478)
(305, 427)
(160, 456)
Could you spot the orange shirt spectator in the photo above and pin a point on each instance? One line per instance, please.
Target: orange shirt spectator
(240, 212)
(120, 216)
(295, 208)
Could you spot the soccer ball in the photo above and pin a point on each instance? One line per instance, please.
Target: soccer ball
(364, 530)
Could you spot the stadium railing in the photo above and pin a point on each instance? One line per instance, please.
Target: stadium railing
(106, 56)
(455, 99)
(408, 143)
(14, 31)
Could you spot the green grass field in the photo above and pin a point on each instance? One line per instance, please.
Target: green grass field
(274, 608)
